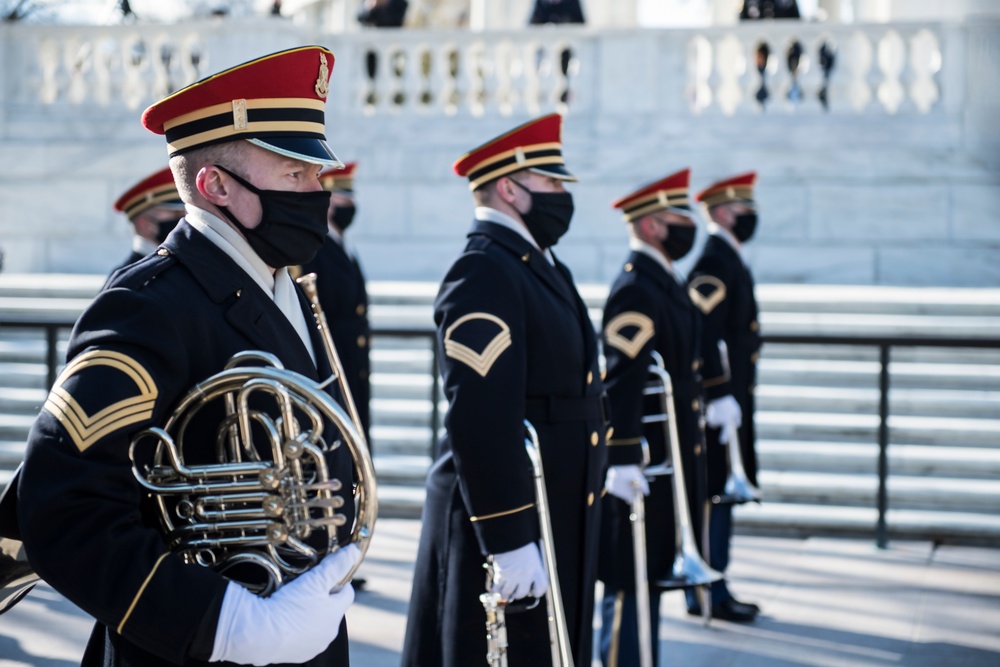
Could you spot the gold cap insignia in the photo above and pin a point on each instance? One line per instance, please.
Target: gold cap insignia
(323, 79)
(86, 429)
(239, 115)
(630, 346)
(481, 362)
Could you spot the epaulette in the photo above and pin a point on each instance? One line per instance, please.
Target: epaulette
(138, 274)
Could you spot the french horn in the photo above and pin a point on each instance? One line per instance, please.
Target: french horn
(267, 507)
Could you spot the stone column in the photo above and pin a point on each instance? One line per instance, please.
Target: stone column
(872, 11)
(725, 12)
(611, 13)
(499, 14)
(834, 10)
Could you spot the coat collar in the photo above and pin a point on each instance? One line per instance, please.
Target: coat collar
(247, 308)
(554, 276)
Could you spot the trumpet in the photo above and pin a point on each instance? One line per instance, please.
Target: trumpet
(495, 607)
(689, 569)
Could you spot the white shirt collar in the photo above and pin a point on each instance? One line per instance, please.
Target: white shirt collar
(727, 236)
(277, 285)
(640, 246)
(233, 244)
(487, 214)
(142, 246)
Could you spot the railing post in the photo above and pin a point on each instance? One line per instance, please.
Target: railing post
(882, 532)
(435, 397)
(51, 338)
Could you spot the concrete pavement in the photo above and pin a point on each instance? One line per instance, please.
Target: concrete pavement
(826, 603)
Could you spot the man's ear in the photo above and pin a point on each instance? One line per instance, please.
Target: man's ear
(212, 186)
(505, 190)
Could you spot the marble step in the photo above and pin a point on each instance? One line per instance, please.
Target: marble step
(862, 459)
(905, 492)
(942, 431)
(843, 373)
(790, 519)
(919, 402)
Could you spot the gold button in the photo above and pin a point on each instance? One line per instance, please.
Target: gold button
(604, 375)
(611, 432)
(590, 376)
(238, 293)
(590, 499)
(754, 326)
(362, 341)
(754, 357)
(360, 310)
(162, 252)
(594, 438)
(697, 450)
(695, 405)
(628, 267)
(525, 257)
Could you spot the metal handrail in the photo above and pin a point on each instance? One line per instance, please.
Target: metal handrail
(54, 324)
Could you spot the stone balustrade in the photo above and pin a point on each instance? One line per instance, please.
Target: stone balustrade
(777, 67)
(876, 144)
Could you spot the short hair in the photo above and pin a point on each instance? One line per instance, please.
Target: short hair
(185, 167)
(485, 193)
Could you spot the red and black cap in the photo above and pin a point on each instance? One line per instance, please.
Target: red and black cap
(667, 194)
(735, 189)
(155, 190)
(536, 145)
(276, 102)
(339, 179)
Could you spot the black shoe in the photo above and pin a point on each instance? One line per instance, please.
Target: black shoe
(731, 610)
(359, 583)
(749, 605)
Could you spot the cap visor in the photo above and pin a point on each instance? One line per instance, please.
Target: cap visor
(307, 149)
(555, 171)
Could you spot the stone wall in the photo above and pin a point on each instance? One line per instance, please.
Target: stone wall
(896, 182)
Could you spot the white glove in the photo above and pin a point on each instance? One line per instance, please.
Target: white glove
(623, 481)
(295, 624)
(723, 411)
(520, 573)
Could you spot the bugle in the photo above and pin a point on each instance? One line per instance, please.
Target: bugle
(637, 517)
(496, 608)
(738, 488)
(689, 569)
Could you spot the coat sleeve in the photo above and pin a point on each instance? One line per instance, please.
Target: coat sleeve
(708, 288)
(483, 353)
(629, 336)
(78, 501)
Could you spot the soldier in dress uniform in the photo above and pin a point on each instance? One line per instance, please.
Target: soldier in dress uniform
(153, 208)
(721, 286)
(516, 343)
(648, 310)
(341, 286)
(246, 147)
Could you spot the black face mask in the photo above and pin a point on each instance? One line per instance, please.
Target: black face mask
(292, 224)
(746, 224)
(679, 241)
(549, 216)
(164, 228)
(343, 216)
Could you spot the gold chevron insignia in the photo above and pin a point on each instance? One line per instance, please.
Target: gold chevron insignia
(630, 347)
(715, 292)
(87, 429)
(481, 362)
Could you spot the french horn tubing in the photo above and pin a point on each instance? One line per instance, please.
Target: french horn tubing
(262, 518)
